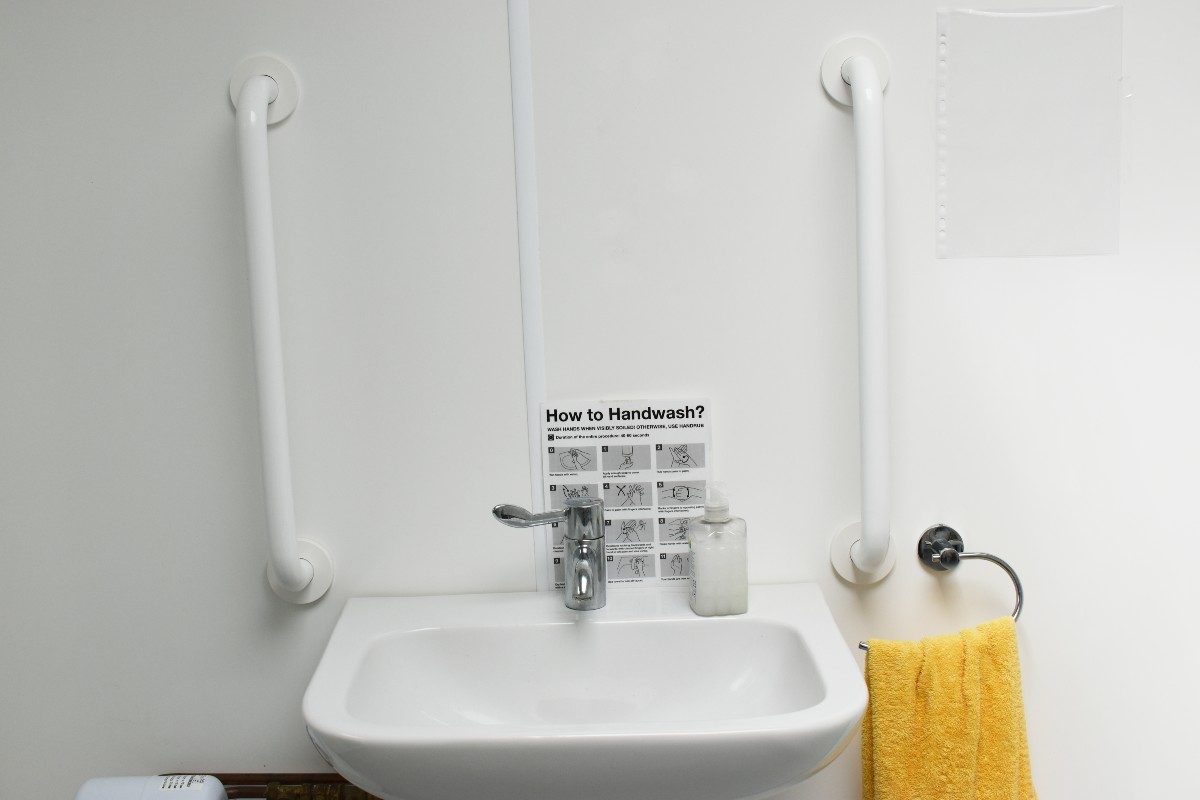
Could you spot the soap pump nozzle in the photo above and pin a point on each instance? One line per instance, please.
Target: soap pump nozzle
(716, 503)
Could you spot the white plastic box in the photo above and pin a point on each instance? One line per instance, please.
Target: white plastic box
(160, 787)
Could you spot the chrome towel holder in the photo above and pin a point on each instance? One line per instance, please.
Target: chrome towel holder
(941, 548)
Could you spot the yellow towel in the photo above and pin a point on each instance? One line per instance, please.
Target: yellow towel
(945, 720)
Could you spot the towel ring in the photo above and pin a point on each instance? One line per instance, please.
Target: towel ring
(941, 548)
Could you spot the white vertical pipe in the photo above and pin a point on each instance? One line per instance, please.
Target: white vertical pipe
(520, 66)
(870, 552)
(290, 571)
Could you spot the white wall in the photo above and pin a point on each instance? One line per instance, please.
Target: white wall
(696, 189)
(1045, 407)
(138, 632)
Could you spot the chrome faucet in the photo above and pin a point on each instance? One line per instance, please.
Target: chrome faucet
(583, 537)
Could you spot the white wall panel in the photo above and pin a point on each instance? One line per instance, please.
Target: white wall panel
(138, 632)
(697, 230)
(697, 210)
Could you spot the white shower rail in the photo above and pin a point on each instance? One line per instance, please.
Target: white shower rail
(520, 66)
(264, 91)
(855, 72)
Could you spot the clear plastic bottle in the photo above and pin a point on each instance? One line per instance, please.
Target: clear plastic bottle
(717, 543)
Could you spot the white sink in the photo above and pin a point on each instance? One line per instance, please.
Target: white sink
(515, 697)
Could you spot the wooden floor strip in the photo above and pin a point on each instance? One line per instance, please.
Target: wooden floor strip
(286, 786)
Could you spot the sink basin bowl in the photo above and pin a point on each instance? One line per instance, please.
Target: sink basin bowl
(515, 697)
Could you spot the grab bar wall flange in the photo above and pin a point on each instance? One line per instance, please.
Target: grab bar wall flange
(855, 72)
(264, 90)
(288, 93)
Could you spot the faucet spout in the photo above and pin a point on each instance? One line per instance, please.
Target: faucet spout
(585, 573)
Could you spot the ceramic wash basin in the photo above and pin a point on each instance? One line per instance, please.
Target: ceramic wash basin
(514, 697)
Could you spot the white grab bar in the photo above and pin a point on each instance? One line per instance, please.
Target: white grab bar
(298, 570)
(855, 72)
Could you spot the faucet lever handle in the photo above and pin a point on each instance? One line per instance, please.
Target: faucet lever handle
(517, 517)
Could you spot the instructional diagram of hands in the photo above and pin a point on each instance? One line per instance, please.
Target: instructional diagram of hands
(571, 459)
(561, 492)
(625, 457)
(680, 456)
(575, 459)
(675, 530)
(631, 567)
(650, 471)
(631, 494)
(681, 493)
(677, 565)
(628, 531)
(627, 495)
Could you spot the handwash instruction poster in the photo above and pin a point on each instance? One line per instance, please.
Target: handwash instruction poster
(649, 460)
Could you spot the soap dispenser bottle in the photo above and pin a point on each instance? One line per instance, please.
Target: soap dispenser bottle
(717, 544)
